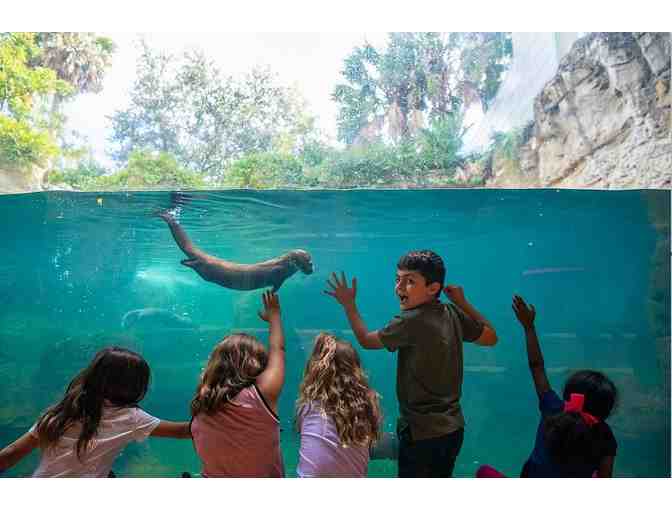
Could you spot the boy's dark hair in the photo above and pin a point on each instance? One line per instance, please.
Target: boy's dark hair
(571, 442)
(427, 263)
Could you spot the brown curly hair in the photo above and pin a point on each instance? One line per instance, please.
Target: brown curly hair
(335, 381)
(234, 364)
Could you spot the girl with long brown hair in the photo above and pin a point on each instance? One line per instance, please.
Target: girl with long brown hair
(235, 423)
(98, 416)
(337, 413)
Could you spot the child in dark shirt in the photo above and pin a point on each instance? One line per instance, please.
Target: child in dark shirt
(428, 336)
(573, 439)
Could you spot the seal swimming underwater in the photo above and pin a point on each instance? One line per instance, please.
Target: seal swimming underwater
(270, 273)
(154, 317)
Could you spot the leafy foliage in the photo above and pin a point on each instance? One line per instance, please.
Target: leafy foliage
(415, 79)
(22, 146)
(149, 170)
(187, 108)
(145, 170)
(440, 144)
(78, 58)
(400, 112)
(84, 176)
(507, 144)
(265, 170)
(24, 137)
(19, 81)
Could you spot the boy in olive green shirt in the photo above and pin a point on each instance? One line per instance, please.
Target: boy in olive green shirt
(428, 335)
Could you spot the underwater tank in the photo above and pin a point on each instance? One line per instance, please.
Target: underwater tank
(595, 264)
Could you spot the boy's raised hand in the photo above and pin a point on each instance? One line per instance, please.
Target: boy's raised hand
(524, 313)
(271, 306)
(455, 293)
(341, 292)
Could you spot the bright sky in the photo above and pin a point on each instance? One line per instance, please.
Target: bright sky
(313, 61)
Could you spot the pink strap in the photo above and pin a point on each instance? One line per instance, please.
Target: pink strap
(575, 405)
(486, 471)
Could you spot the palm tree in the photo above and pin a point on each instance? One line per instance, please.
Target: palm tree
(79, 58)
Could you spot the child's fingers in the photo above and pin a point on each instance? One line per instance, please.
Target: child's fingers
(331, 284)
(332, 294)
(354, 284)
(343, 280)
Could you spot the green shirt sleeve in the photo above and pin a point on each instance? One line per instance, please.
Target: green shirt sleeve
(471, 330)
(396, 333)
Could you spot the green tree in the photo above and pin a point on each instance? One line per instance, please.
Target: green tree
(265, 170)
(22, 146)
(149, 170)
(24, 137)
(187, 107)
(417, 77)
(84, 176)
(441, 142)
(78, 58)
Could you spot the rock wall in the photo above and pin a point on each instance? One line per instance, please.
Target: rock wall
(603, 121)
(21, 181)
(536, 56)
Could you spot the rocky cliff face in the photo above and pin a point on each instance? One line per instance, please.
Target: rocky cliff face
(21, 180)
(603, 121)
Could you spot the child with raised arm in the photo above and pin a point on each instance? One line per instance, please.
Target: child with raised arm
(573, 439)
(337, 413)
(98, 416)
(235, 422)
(428, 336)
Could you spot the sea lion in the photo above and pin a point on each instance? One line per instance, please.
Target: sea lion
(155, 317)
(270, 273)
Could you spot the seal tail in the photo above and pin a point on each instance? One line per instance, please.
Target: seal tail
(178, 199)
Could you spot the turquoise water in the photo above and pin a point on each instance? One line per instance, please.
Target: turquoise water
(595, 264)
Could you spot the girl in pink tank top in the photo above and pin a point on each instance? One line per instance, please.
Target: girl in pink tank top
(337, 413)
(235, 425)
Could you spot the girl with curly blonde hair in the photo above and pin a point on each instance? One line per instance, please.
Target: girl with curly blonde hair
(337, 413)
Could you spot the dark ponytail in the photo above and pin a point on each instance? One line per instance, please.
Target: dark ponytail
(571, 439)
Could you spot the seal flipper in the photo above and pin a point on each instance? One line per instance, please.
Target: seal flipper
(179, 198)
(189, 262)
